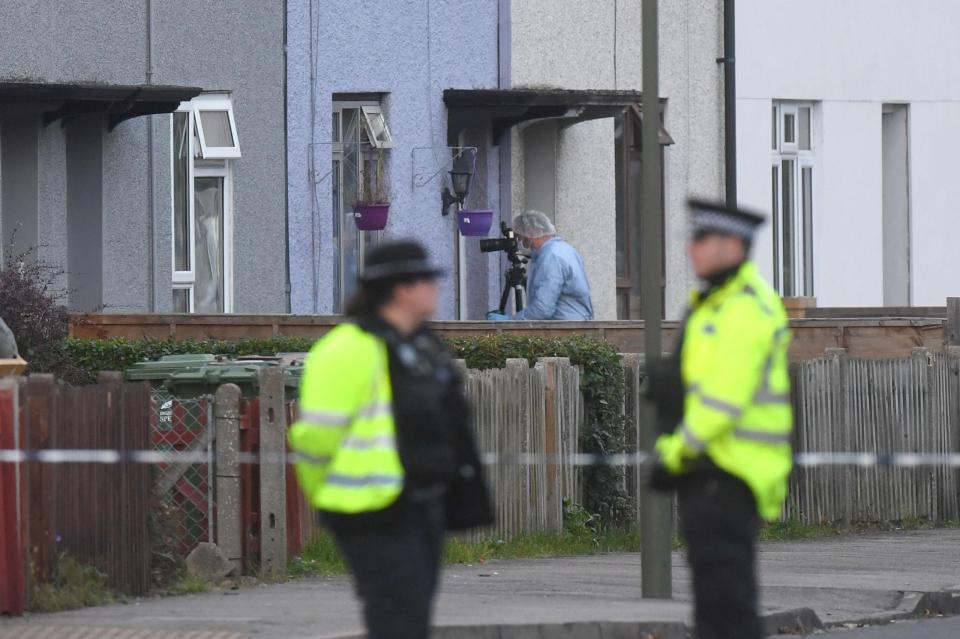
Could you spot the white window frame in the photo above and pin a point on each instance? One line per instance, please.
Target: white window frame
(215, 102)
(188, 276)
(803, 277)
(223, 168)
(372, 113)
(366, 107)
(189, 289)
(793, 110)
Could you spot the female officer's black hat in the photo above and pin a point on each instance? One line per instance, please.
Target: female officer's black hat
(401, 260)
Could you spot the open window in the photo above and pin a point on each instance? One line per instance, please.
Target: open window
(359, 134)
(202, 206)
(376, 126)
(216, 127)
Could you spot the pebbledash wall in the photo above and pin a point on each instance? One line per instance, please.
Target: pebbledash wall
(238, 50)
(598, 45)
(410, 51)
(854, 63)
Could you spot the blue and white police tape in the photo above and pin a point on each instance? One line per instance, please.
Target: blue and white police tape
(109, 456)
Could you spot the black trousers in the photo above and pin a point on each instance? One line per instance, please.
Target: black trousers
(719, 520)
(396, 570)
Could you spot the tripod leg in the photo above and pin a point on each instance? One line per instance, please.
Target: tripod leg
(505, 296)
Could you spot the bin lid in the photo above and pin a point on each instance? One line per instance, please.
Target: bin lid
(206, 379)
(160, 369)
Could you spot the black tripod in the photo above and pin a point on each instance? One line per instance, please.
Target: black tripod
(516, 281)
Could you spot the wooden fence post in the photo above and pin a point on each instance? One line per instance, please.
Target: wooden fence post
(835, 479)
(551, 448)
(514, 438)
(952, 336)
(110, 435)
(41, 400)
(633, 371)
(953, 433)
(13, 555)
(273, 497)
(229, 529)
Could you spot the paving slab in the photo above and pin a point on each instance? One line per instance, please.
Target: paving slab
(860, 577)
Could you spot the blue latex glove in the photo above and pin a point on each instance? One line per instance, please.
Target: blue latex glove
(494, 316)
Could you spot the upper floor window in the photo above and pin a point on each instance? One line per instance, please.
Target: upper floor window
(792, 173)
(204, 145)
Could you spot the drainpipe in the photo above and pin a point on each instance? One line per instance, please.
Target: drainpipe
(286, 163)
(730, 99)
(151, 208)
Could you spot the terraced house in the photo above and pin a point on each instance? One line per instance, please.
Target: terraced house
(142, 151)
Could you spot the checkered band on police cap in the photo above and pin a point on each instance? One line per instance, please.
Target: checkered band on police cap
(709, 217)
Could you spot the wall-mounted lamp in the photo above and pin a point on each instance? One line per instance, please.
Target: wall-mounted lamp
(460, 176)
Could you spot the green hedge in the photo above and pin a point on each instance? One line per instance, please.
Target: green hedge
(602, 383)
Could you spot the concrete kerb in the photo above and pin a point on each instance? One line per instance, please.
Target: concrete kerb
(799, 621)
(915, 605)
(794, 622)
(577, 630)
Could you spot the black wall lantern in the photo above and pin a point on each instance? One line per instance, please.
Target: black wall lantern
(460, 176)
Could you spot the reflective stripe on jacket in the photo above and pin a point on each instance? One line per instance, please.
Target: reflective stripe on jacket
(346, 429)
(737, 388)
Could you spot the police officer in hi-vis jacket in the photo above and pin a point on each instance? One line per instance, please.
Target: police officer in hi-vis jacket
(386, 451)
(723, 404)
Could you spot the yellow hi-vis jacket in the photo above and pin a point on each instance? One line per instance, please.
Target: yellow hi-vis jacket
(737, 389)
(346, 431)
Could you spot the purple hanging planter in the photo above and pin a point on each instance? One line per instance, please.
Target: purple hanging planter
(474, 223)
(371, 217)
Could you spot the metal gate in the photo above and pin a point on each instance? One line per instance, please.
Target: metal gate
(184, 490)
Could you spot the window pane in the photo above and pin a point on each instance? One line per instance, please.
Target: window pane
(338, 284)
(181, 300)
(181, 192)
(773, 135)
(789, 230)
(807, 187)
(789, 129)
(208, 230)
(805, 128)
(351, 182)
(336, 127)
(216, 128)
(775, 207)
(376, 127)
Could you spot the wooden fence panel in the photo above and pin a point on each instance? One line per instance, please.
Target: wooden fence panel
(101, 511)
(905, 405)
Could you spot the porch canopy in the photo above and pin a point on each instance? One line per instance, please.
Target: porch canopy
(118, 102)
(505, 108)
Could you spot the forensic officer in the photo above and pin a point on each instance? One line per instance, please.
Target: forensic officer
(387, 453)
(557, 285)
(723, 402)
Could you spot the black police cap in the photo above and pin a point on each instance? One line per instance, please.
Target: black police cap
(402, 259)
(712, 217)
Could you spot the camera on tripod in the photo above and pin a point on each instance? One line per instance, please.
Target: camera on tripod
(516, 275)
(507, 243)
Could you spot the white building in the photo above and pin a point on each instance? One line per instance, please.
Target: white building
(848, 115)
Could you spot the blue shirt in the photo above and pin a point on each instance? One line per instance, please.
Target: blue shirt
(557, 286)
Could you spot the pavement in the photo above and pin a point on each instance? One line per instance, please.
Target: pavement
(838, 582)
